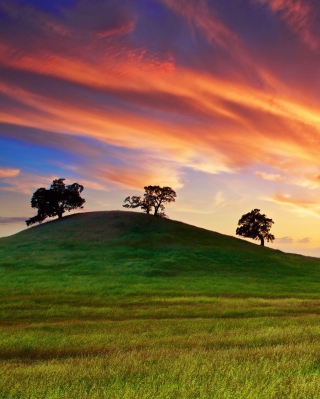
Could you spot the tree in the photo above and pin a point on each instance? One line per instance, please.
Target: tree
(256, 226)
(55, 201)
(155, 197)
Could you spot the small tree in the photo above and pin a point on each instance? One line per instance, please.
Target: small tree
(155, 197)
(256, 226)
(55, 201)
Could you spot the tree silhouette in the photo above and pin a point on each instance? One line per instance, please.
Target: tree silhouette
(55, 201)
(155, 197)
(256, 226)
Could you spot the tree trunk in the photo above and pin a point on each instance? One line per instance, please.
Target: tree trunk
(261, 240)
(156, 207)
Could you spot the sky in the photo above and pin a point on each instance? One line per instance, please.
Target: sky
(219, 100)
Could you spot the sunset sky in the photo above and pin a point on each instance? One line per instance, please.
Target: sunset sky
(218, 99)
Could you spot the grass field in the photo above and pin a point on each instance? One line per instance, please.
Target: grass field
(125, 305)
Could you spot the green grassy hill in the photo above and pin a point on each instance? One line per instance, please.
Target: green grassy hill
(102, 250)
(124, 305)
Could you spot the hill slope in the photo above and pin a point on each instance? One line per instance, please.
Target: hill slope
(107, 249)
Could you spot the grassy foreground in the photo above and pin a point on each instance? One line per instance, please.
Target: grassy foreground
(125, 305)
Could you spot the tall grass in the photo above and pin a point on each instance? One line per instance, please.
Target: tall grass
(268, 357)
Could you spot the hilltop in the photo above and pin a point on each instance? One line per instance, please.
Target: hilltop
(109, 248)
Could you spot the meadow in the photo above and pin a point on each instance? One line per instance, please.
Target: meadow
(125, 305)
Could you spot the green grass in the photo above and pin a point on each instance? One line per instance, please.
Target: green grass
(125, 305)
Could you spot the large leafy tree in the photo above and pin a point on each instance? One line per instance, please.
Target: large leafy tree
(55, 201)
(153, 200)
(256, 226)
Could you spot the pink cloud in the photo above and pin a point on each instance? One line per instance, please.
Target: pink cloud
(305, 240)
(7, 172)
(27, 183)
(10, 220)
(298, 15)
(118, 30)
(198, 13)
(284, 240)
(269, 176)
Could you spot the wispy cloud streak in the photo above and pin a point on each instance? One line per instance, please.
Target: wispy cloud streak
(11, 220)
(298, 15)
(8, 172)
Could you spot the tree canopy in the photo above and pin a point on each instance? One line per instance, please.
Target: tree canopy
(256, 226)
(55, 201)
(154, 199)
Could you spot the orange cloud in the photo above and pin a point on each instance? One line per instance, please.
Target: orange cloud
(232, 109)
(138, 180)
(196, 119)
(299, 203)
